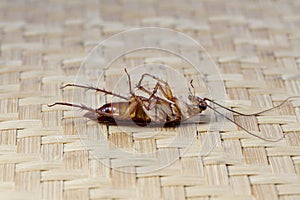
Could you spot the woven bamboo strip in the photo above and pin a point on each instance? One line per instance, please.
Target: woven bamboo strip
(56, 153)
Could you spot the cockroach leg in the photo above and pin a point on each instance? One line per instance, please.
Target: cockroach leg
(166, 91)
(137, 99)
(96, 89)
(169, 101)
(82, 107)
(154, 77)
(129, 83)
(152, 94)
(158, 86)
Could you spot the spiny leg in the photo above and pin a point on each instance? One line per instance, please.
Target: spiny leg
(154, 96)
(137, 99)
(174, 111)
(158, 86)
(129, 83)
(154, 77)
(167, 92)
(96, 89)
(169, 101)
(102, 90)
(82, 107)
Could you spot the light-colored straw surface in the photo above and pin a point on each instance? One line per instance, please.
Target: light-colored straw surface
(43, 154)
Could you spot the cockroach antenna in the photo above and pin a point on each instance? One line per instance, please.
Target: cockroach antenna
(194, 91)
(252, 114)
(129, 82)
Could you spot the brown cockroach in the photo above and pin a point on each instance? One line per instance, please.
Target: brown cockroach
(153, 110)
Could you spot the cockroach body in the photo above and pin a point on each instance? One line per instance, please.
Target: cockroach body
(117, 114)
(152, 110)
(155, 110)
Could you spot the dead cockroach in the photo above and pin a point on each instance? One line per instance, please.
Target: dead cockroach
(166, 110)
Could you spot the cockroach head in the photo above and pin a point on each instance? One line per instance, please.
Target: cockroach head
(199, 102)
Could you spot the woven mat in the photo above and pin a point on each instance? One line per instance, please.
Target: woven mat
(256, 45)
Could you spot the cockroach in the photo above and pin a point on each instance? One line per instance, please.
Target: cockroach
(151, 110)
